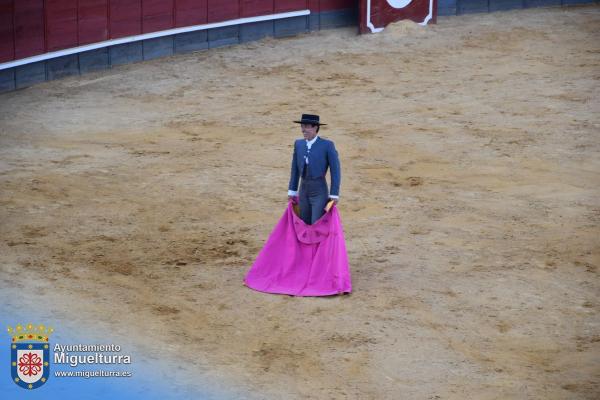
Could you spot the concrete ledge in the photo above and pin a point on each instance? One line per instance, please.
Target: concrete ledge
(158, 47)
(314, 22)
(541, 3)
(338, 18)
(290, 26)
(471, 6)
(502, 5)
(29, 74)
(571, 2)
(93, 60)
(125, 53)
(225, 36)
(446, 11)
(190, 41)
(447, 7)
(256, 31)
(7, 80)
(61, 67)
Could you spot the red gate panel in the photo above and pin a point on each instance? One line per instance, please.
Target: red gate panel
(327, 5)
(290, 5)
(93, 21)
(7, 39)
(252, 8)
(376, 14)
(29, 28)
(157, 15)
(190, 12)
(61, 24)
(222, 10)
(125, 18)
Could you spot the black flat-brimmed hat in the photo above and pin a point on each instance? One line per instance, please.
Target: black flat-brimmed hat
(309, 119)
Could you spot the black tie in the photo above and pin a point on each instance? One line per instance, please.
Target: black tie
(305, 172)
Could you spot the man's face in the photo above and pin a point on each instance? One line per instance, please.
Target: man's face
(309, 131)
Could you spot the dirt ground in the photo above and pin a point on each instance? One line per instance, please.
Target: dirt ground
(136, 199)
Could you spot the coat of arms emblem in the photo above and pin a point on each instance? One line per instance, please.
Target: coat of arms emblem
(30, 355)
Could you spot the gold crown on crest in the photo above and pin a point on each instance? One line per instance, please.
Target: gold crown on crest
(30, 332)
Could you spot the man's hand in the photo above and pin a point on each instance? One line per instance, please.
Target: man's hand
(335, 201)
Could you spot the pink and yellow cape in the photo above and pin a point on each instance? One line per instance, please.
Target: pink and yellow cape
(303, 260)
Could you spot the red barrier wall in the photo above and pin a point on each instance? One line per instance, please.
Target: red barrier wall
(157, 15)
(191, 12)
(7, 38)
(61, 24)
(31, 27)
(93, 21)
(125, 18)
(29, 37)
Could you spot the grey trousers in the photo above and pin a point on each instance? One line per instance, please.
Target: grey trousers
(313, 197)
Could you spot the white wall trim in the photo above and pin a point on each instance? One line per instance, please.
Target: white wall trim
(151, 35)
(375, 30)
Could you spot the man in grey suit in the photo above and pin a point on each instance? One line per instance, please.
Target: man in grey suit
(312, 157)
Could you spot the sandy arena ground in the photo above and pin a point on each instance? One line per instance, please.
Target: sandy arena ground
(137, 198)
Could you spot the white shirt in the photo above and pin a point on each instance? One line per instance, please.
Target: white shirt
(309, 144)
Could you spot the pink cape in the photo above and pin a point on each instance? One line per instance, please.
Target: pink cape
(303, 260)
